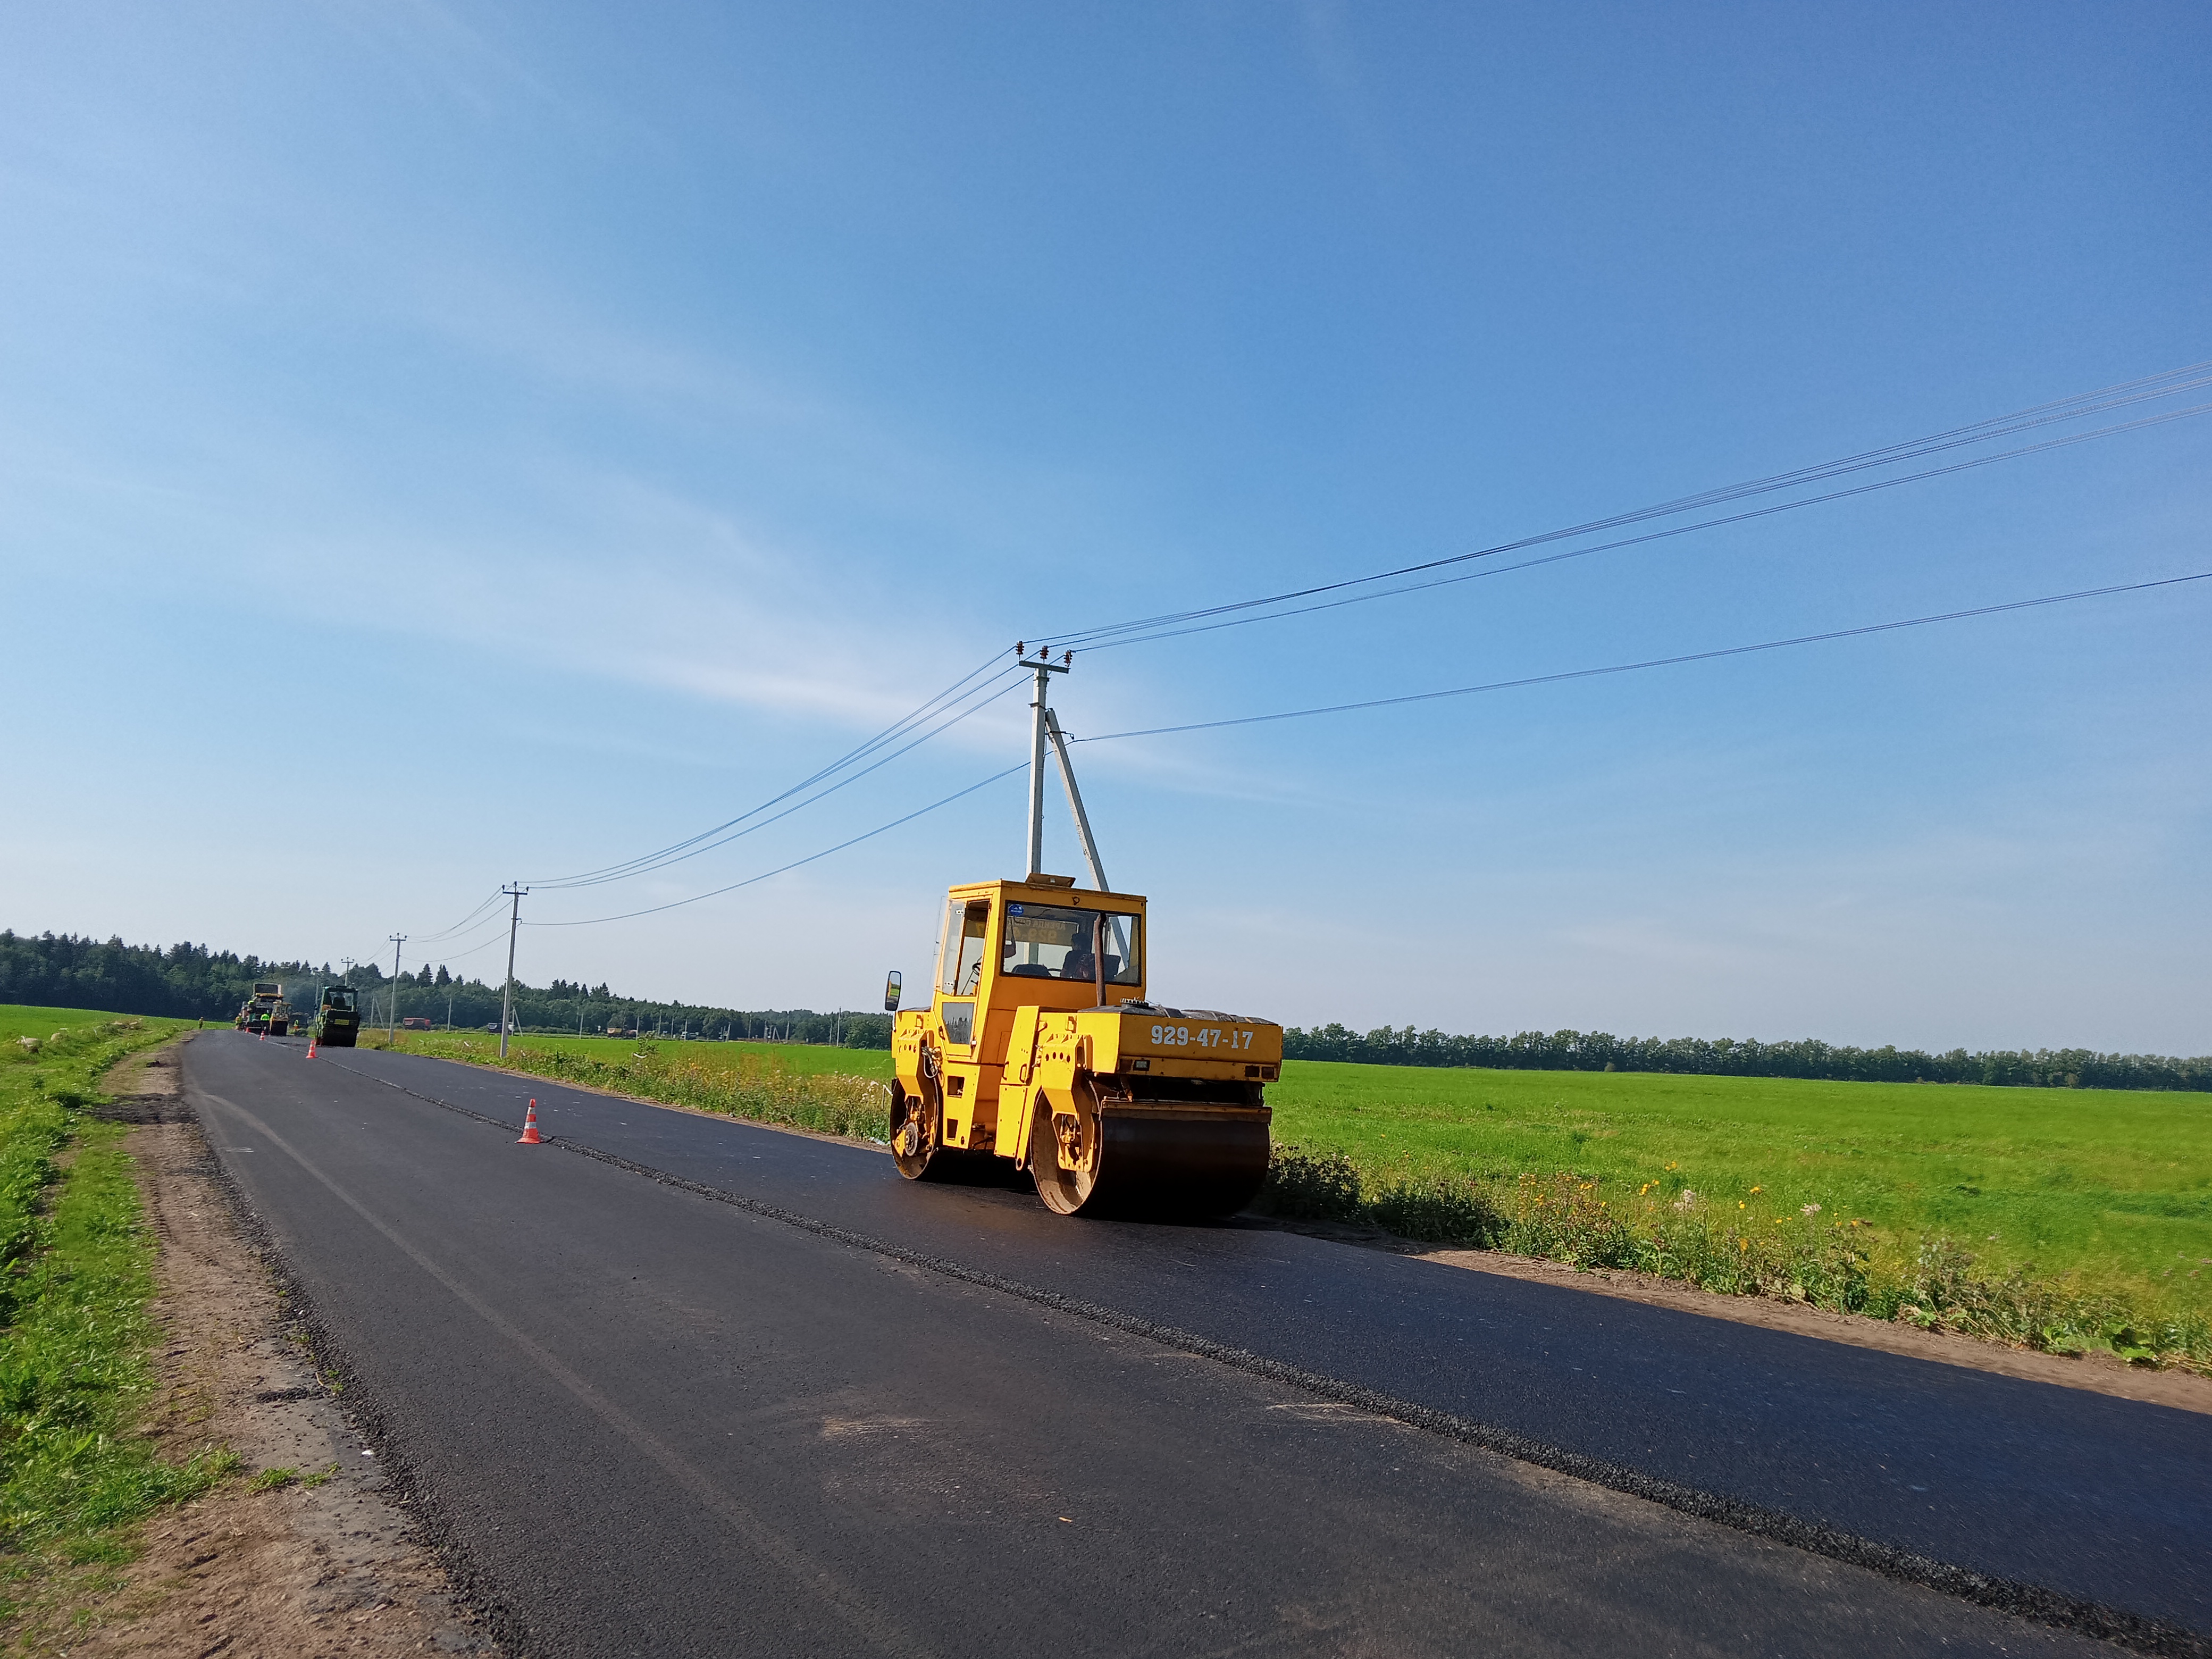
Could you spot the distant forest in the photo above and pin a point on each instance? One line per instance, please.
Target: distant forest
(1600, 1051)
(194, 981)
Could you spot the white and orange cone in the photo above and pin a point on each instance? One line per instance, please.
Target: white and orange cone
(530, 1135)
(310, 1047)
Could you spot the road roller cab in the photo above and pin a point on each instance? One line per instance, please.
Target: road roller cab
(1039, 1051)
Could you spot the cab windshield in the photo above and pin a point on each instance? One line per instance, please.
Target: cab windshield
(1050, 941)
(342, 1000)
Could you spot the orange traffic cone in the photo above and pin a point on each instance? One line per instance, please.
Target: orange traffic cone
(310, 1047)
(530, 1135)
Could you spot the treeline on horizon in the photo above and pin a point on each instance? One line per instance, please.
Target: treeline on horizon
(195, 982)
(1600, 1051)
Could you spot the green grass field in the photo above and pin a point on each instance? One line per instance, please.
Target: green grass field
(805, 1059)
(2110, 1180)
(20, 1020)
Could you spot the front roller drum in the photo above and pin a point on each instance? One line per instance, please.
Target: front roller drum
(1151, 1161)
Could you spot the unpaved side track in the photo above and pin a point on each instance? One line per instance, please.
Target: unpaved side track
(304, 1572)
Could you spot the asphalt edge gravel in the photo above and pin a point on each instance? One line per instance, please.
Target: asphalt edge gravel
(2031, 1602)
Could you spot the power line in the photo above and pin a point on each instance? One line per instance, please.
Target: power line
(463, 925)
(692, 844)
(1419, 696)
(1655, 662)
(2170, 383)
(963, 698)
(978, 701)
(781, 869)
(1652, 536)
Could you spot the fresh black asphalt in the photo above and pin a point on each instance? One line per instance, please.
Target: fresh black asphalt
(652, 1422)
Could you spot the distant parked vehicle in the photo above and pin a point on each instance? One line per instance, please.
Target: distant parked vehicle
(415, 1022)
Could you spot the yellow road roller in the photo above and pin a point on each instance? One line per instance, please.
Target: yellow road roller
(1039, 1052)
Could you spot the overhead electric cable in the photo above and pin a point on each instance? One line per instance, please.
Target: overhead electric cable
(1413, 697)
(2171, 383)
(462, 925)
(978, 702)
(889, 734)
(593, 921)
(483, 944)
(1650, 536)
(1655, 662)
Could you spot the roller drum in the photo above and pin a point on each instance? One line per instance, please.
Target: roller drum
(1162, 1159)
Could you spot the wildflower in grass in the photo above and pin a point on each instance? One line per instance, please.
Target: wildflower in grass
(1758, 1189)
(1809, 1209)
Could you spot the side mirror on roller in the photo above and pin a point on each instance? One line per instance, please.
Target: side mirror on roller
(892, 986)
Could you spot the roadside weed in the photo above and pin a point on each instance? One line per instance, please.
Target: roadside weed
(1754, 1245)
(76, 1275)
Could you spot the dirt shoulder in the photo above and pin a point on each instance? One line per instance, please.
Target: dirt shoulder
(297, 1572)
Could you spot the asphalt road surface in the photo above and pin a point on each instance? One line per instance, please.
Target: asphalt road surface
(821, 1419)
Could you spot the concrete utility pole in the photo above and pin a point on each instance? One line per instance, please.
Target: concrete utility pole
(515, 890)
(1075, 802)
(397, 939)
(1044, 667)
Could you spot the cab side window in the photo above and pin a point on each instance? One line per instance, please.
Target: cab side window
(967, 932)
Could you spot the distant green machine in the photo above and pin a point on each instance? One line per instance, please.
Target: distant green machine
(266, 1013)
(338, 1023)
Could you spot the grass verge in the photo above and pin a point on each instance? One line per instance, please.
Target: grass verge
(736, 1079)
(77, 1278)
(1753, 1245)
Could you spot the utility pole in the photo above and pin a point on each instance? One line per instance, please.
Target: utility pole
(1044, 667)
(397, 939)
(1075, 802)
(515, 890)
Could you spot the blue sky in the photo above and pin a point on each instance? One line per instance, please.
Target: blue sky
(440, 446)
